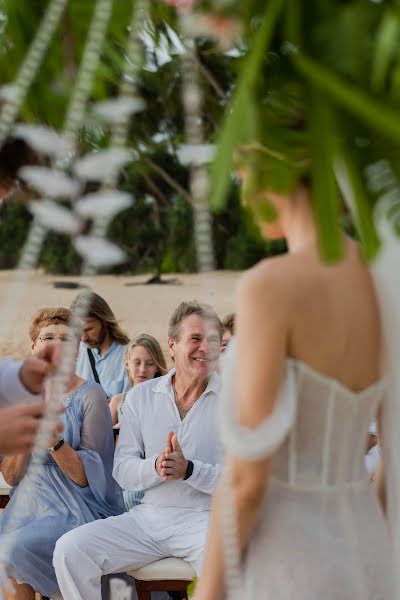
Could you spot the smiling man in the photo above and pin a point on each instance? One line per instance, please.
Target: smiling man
(168, 447)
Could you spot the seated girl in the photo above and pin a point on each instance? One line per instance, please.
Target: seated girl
(144, 360)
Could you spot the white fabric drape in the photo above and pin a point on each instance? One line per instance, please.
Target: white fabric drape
(386, 273)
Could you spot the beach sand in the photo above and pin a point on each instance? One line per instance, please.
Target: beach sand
(140, 308)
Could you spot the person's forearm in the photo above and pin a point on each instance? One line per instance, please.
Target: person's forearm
(211, 585)
(114, 408)
(136, 473)
(204, 477)
(249, 485)
(248, 507)
(12, 386)
(13, 468)
(71, 465)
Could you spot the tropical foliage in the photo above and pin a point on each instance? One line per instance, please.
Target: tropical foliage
(322, 81)
(155, 230)
(292, 91)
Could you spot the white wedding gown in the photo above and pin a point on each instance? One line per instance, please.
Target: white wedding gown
(322, 534)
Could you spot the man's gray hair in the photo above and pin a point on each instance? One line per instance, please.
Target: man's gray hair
(186, 309)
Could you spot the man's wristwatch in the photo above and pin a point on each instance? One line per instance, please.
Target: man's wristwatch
(56, 446)
(189, 470)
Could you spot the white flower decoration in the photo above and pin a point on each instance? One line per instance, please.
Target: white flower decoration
(103, 204)
(196, 154)
(98, 166)
(43, 139)
(50, 182)
(98, 252)
(9, 92)
(113, 111)
(55, 217)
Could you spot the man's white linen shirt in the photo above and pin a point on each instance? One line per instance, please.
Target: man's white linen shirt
(150, 413)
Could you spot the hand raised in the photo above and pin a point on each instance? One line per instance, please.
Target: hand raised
(174, 465)
(175, 444)
(166, 452)
(19, 425)
(168, 446)
(34, 370)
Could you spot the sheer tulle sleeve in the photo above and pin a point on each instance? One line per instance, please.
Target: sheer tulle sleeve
(96, 450)
(253, 444)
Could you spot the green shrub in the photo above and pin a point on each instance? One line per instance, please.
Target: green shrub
(15, 221)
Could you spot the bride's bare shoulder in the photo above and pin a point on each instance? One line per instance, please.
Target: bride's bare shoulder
(273, 286)
(280, 272)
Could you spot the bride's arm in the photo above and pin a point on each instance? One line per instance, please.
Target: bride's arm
(262, 332)
(248, 501)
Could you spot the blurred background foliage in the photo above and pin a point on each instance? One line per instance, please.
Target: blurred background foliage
(305, 78)
(156, 232)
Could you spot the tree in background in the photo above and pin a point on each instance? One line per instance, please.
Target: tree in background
(280, 80)
(152, 230)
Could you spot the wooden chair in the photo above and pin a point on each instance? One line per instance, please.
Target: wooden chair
(172, 574)
(4, 492)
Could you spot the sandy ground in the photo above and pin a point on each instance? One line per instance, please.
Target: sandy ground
(140, 308)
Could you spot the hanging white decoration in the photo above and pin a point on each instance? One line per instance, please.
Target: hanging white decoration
(196, 154)
(55, 217)
(113, 111)
(103, 204)
(43, 139)
(98, 166)
(98, 252)
(9, 93)
(50, 182)
(149, 200)
(18, 90)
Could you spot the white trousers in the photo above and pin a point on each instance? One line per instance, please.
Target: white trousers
(124, 543)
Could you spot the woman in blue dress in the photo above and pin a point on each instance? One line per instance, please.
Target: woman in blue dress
(75, 485)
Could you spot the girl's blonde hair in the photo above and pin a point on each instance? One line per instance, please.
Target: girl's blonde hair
(153, 348)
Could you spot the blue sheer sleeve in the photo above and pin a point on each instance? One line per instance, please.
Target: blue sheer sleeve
(96, 450)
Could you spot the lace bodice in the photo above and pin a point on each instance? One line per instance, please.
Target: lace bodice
(317, 433)
(327, 441)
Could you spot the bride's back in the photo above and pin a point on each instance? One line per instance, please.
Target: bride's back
(307, 353)
(296, 305)
(335, 327)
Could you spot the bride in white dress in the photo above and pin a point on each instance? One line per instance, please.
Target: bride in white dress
(295, 417)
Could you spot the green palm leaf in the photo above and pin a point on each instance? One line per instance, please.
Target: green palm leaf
(386, 45)
(325, 193)
(349, 177)
(236, 122)
(374, 113)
